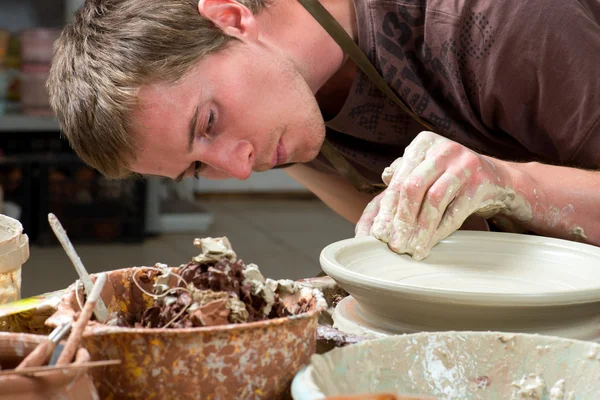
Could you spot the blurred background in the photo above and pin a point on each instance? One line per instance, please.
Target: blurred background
(270, 219)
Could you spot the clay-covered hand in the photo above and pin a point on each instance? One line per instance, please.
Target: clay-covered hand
(432, 190)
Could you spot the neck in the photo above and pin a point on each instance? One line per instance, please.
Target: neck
(287, 26)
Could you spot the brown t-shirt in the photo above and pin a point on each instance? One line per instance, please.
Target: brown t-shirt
(514, 79)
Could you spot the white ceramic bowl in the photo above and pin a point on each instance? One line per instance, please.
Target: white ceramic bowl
(458, 366)
(474, 281)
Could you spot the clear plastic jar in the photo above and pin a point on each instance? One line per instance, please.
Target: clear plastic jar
(14, 252)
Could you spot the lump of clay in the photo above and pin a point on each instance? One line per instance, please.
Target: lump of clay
(214, 249)
(216, 288)
(259, 287)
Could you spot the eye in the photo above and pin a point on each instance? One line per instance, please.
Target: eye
(197, 167)
(211, 121)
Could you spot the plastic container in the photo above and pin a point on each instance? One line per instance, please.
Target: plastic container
(14, 252)
(36, 45)
(90, 209)
(34, 96)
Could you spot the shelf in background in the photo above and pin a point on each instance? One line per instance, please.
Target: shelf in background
(27, 123)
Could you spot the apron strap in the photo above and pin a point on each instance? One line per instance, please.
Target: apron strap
(335, 30)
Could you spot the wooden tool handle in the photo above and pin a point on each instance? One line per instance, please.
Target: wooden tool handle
(46, 368)
(101, 311)
(38, 356)
(66, 357)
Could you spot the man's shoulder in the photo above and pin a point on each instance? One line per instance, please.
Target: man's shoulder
(429, 12)
(410, 10)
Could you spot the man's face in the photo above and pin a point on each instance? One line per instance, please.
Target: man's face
(241, 110)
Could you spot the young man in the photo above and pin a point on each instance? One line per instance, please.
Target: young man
(221, 88)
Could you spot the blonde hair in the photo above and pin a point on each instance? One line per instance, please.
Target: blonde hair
(111, 48)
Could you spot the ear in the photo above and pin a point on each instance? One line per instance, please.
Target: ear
(233, 18)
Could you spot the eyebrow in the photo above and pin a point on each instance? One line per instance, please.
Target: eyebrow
(191, 136)
(192, 129)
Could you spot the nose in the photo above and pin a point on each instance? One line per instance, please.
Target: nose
(235, 158)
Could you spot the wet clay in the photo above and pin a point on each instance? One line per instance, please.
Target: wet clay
(215, 288)
(214, 293)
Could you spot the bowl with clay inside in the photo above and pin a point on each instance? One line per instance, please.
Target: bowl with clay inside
(457, 365)
(471, 281)
(213, 328)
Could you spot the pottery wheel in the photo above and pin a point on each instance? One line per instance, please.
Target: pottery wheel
(348, 317)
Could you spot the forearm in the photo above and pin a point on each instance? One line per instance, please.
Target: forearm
(335, 192)
(564, 202)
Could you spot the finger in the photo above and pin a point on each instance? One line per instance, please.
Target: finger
(414, 155)
(413, 192)
(387, 174)
(441, 193)
(382, 224)
(363, 227)
(465, 205)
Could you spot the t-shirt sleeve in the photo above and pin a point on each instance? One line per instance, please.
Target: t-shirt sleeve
(541, 81)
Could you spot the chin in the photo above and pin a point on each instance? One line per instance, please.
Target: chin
(314, 152)
(310, 145)
(261, 169)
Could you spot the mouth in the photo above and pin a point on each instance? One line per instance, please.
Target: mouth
(280, 155)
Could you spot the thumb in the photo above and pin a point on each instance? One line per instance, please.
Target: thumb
(363, 227)
(388, 173)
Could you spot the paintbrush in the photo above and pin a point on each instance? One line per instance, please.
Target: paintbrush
(40, 354)
(101, 312)
(34, 370)
(66, 356)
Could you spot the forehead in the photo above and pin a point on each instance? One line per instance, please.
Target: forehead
(169, 97)
(163, 94)
(161, 122)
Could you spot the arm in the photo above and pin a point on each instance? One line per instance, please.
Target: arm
(438, 183)
(564, 201)
(338, 194)
(546, 98)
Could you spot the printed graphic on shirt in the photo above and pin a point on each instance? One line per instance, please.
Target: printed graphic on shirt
(477, 71)
(434, 83)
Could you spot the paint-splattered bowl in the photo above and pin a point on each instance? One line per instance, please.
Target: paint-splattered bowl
(237, 361)
(457, 365)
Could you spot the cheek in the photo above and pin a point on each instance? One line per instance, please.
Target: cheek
(150, 166)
